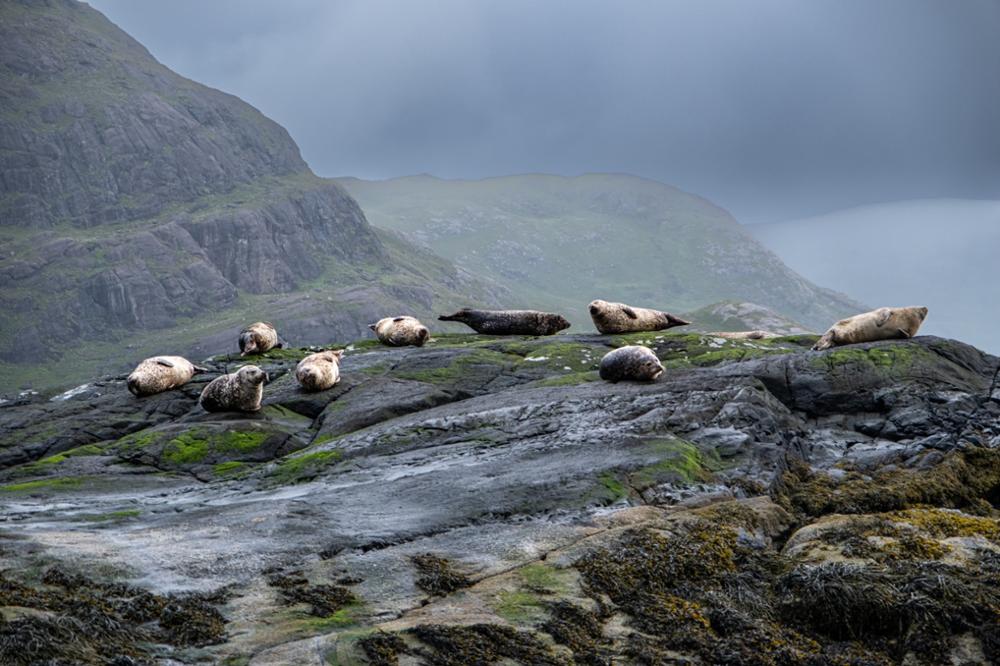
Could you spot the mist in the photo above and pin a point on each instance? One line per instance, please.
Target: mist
(939, 253)
(776, 110)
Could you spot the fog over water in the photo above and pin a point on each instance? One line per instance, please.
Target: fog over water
(776, 109)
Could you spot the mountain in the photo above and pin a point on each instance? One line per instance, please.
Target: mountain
(736, 316)
(940, 253)
(141, 212)
(558, 243)
(490, 501)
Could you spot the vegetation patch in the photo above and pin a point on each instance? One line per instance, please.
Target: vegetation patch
(78, 620)
(324, 601)
(113, 516)
(437, 575)
(44, 485)
(462, 366)
(305, 466)
(682, 463)
(963, 480)
(482, 644)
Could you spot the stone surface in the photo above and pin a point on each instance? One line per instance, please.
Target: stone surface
(508, 461)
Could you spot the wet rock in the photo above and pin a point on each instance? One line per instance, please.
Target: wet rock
(469, 484)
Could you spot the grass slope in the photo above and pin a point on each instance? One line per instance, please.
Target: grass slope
(559, 242)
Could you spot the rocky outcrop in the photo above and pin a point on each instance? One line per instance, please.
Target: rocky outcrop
(491, 497)
(94, 130)
(134, 200)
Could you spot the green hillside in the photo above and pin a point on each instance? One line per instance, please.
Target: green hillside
(557, 243)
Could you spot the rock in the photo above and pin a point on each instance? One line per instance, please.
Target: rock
(541, 487)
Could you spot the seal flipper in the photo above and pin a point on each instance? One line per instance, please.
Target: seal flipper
(164, 362)
(398, 318)
(629, 312)
(881, 316)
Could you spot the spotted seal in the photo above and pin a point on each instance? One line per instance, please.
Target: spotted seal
(240, 391)
(509, 322)
(633, 362)
(319, 371)
(259, 338)
(161, 373)
(400, 331)
(622, 318)
(881, 324)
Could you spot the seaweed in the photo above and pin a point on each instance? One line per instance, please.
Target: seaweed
(437, 575)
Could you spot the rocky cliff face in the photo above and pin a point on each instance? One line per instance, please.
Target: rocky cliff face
(94, 130)
(488, 500)
(135, 200)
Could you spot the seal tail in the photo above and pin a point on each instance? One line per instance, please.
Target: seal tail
(673, 321)
(199, 370)
(373, 327)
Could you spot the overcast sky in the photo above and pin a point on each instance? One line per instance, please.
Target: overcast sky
(774, 109)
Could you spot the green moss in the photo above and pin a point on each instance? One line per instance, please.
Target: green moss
(195, 445)
(345, 617)
(896, 357)
(461, 367)
(520, 606)
(568, 379)
(613, 485)
(230, 468)
(542, 578)
(681, 462)
(304, 466)
(113, 516)
(185, 449)
(284, 354)
(59, 483)
(46, 464)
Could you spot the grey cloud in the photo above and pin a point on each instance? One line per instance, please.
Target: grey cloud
(773, 108)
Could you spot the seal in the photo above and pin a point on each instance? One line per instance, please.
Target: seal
(622, 318)
(509, 322)
(400, 331)
(633, 362)
(161, 373)
(742, 335)
(240, 391)
(319, 371)
(259, 338)
(881, 324)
